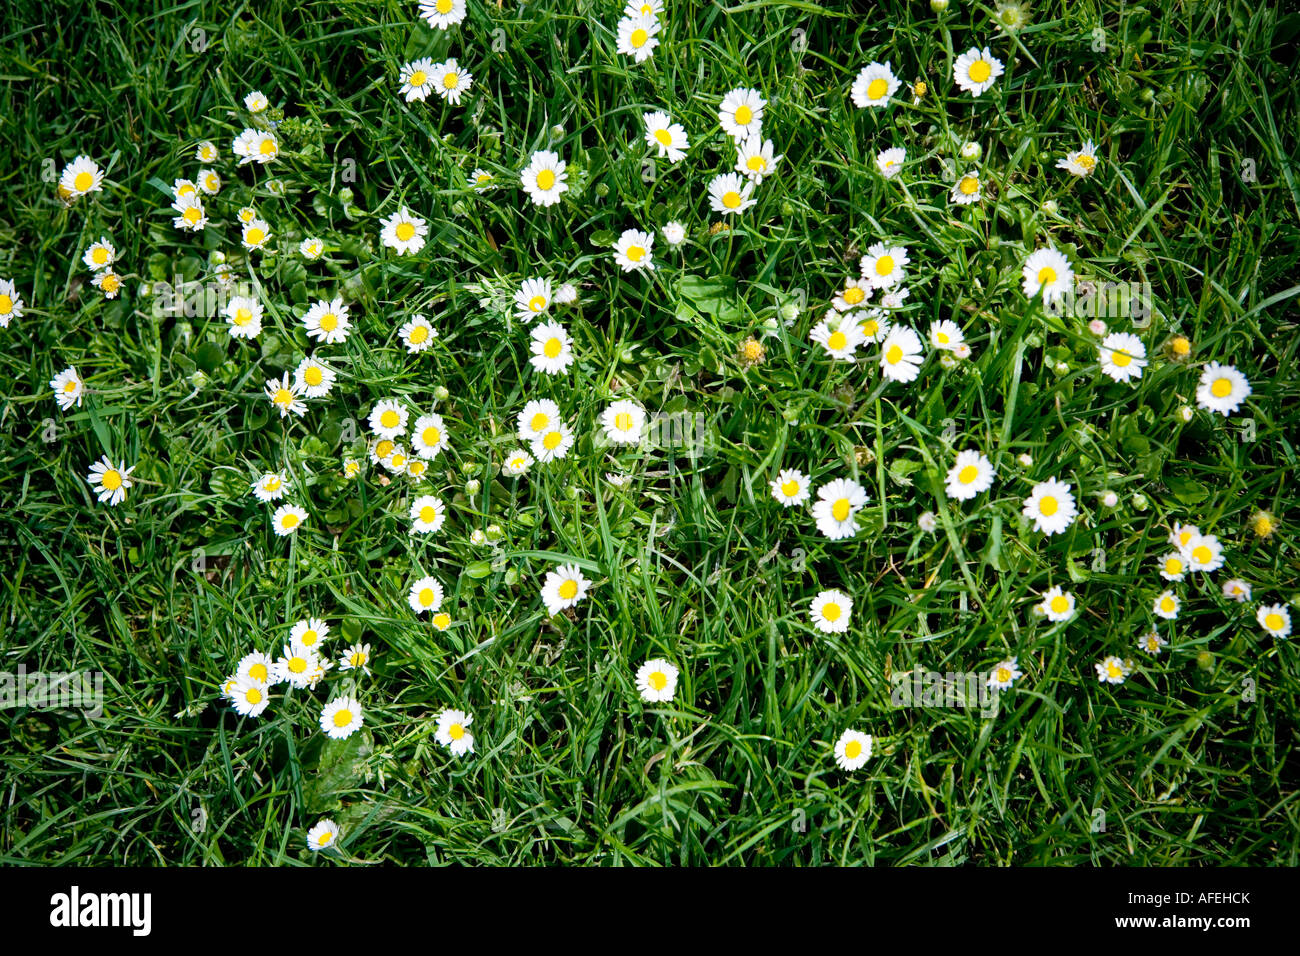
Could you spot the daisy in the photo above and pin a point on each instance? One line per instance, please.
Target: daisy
(415, 80)
(451, 732)
(1080, 162)
(81, 176)
(341, 717)
(1204, 553)
(296, 665)
(741, 113)
(246, 214)
(257, 666)
(206, 152)
(927, 522)
(244, 316)
(1166, 605)
(287, 519)
(552, 348)
(416, 469)
(874, 85)
(270, 487)
(883, 266)
(309, 632)
(791, 487)
(852, 750)
(623, 422)
(1048, 271)
(516, 463)
(970, 474)
(184, 188)
(396, 461)
(656, 681)
(443, 13)
(356, 658)
(645, 8)
(388, 419)
(108, 282)
(731, 193)
(637, 36)
(872, 324)
(1151, 642)
(532, 299)
(110, 482)
(426, 595)
(1050, 506)
(209, 181)
(894, 298)
(429, 436)
(1111, 670)
(667, 137)
(314, 378)
(946, 334)
(1221, 389)
(674, 233)
(1237, 590)
(754, 159)
(322, 836)
(99, 255)
(1004, 674)
(553, 443)
(249, 697)
(1173, 566)
(327, 322)
(544, 178)
(1057, 605)
(191, 215)
(417, 334)
(256, 234)
(563, 588)
(976, 70)
(538, 418)
(482, 180)
(381, 449)
(311, 248)
(632, 251)
(890, 161)
(837, 505)
(287, 398)
(967, 189)
(427, 514)
(838, 334)
(1122, 356)
(901, 354)
(830, 611)
(256, 102)
(351, 467)
(854, 294)
(403, 232)
(1182, 535)
(68, 388)
(451, 80)
(1275, 619)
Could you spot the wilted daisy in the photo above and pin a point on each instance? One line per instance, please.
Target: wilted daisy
(81, 176)
(403, 232)
(322, 836)
(854, 294)
(563, 588)
(830, 611)
(901, 354)
(1204, 553)
(516, 463)
(967, 189)
(656, 681)
(285, 396)
(1080, 162)
(755, 159)
(1050, 506)
(388, 418)
(427, 514)
(312, 247)
(244, 316)
(451, 80)
(838, 334)
(481, 180)
(532, 298)
(976, 70)
(99, 255)
(108, 282)
(442, 13)
(872, 324)
(11, 303)
(1221, 389)
(890, 161)
(417, 334)
(1275, 619)
(623, 422)
(256, 146)
(327, 321)
(544, 178)
(852, 750)
(791, 487)
(946, 334)
(269, 487)
(741, 113)
(1151, 642)
(1049, 272)
(109, 481)
(1004, 674)
(356, 658)
(249, 696)
(314, 377)
(837, 505)
(551, 347)
(674, 233)
(537, 418)
(1111, 670)
(1263, 524)
(874, 85)
(256, 234)
(1057, 605)
(632, 251)
(426, 594)
(1122, 356)
(190, 214)
(68, 388)
(970, 474)
(884, 266)
(1166, 605)
(638, 36)
(553, 443)
(453, 733)
(730, 193)
(667, 137)
(341, 717)
(1235, 589)
(416, 80)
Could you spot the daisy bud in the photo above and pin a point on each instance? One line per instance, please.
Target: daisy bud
(947, 360)
(199, 378)
(345, 195)
(1062, 367)
(790, 311)
(468, 468)
(1205, 660)
(473, 487)
(216, 257)
(938, 6)
(1140, 502)
(1051, 207)
(1185, 413)
(602, 190)
(494, 532)
(1097, 327)
(971, 151)
(927, 523)
(1109, 499)
(1026, 461)
(441, 393)
(557, 131)
(477, 537)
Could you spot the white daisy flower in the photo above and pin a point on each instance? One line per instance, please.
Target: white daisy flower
(287, 519)
(403, 232)
(1182, 535)
(623, 422)
(516, 463)
(1050, 506)
(831, 611)
(1166, 605)
(110, 482)
(632, 251)
(356, 658)
(81, 176)
(417, 83)
(852, 750)
(482, 180)
(99, 255)
(553, 443)
(970, 474)
(328, 322)
(285, 396)
(1111, 670)
(108, 282)
(256, 102)
(388, 418)
(452, 732)
(1204, 553)
(1235, 589)
(259, 667)
(443, 13)
(638, 36)
(429, 436)
(552, 348)
(249, 697)
(874, 85)
(563, 588)
(674, 233)
(297, 664)
(946, 334)
(244, 316)
(741, 113)
(544, 178)
(451, 81)
(314, 377)
(1004, 674)
(872, 324)
(309, 632)
(417, 334)
(901, 354)
(269, 487)
(1080, 162)
(68, 388)
(837, 505)
(1275, 619)
(206, 152)
(791, 487)
(755, 159)
(667, 137)
(884, 266)
(209, 181)
(1151, 642)
(890, 161)
(1122, 356)
(731, 193)
(256, 234)
(538, 418)
(341, 717)
(322, 836)
(977, 70)
(256, 146)
(426, 594)
(532, 299)
(1057, 605)
(1221, 389)
(1049, 272)
(656, 681)
(1173, 566)
(838, 334)
(854, 295)
(313, 247)
(967, 189)
(191, 216)
(427, 514)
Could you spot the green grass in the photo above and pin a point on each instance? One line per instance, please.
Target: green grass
(693, 561)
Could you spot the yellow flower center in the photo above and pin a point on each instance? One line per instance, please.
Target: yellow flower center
(326, 837)
(969, 185)
(255, 236)
(313, 376)
(980, 71)
(884, 265)
(831, 611)
(1086, 161)
(1167, 604)
(568, 590)
(418, 335)
(853, 295)
(1181, 346)
(658, 680)
(290, 520)
(443, 6)
(297, 665)
(545, 180)
(664, 137)
(83, 182)
(1221, 387)
(268, 147)
(1173, 566)
(425, 596)
(99, 255)
(1003, 675)
(450, 81)
(258, 672)
(1201, 554)
(552, 347)
(1273, 622)
(192, 215)
(639, 36)
(840, 510)
(852, 749)
(428, 514)
(1046, 275)
(384, 448)
(389, 418)
(342, 717)
(894, 355)
(837, 341)
(731, 199)
(253, 696)
(441, 621)
(243, 316)
(540, 421)
(1114, 670)
(1060, 604)
(756, 164)
(309, 637)
(942, 338)
(110, 283)
(432, 435)
(112, 479)
(552, 441)
(418, 78)
(870, 328)
(743, 115)
(404, 231)
(790, 488)
(623, 422)
(877, 88)
(968, 474)
(6, 304)
(1120, 359)
(635, 253)
(70, 386)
